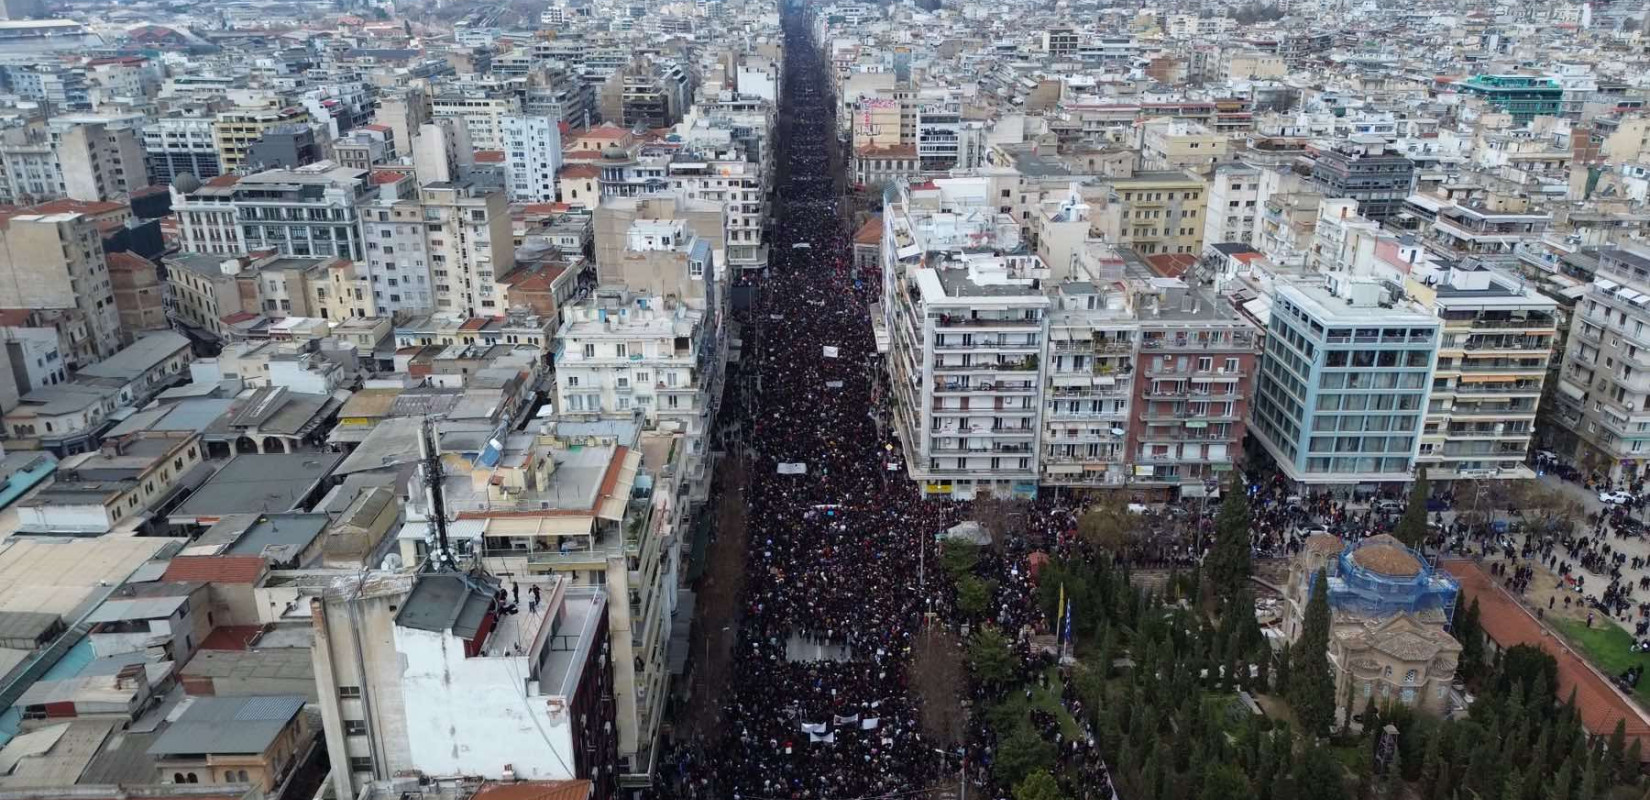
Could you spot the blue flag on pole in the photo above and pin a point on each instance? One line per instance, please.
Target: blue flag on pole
(1066, 634)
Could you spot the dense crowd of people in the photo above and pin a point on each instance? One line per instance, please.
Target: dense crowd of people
(833, 544)
(841, 552)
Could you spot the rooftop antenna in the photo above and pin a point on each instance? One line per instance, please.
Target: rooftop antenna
(430, 466)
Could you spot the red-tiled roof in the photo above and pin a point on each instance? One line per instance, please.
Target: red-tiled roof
(215, 569)
(577, 171)
(222, 180)
(1598, 701)
(473, 324)
(534, 790)
(67, 206)
(1171, 265)
(231, 637)
(870, 232)
(13, 317)
(379, 128)
(239, 316)
(489, 156)
(126, 262)
(380, 177)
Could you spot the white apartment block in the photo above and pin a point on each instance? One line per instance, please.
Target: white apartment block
(398, 256)
(967, 330)
(483, 115)
(622, 356)
(29, 174)
(469, 241)
(205, 213)
(1234, 197)
(532, 158)
(310, 211)
(1496, 345)
(1087, 387)
(178, 145)
(1604, 391)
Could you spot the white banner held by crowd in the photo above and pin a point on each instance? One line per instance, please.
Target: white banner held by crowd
(793, 468)
(831, 352)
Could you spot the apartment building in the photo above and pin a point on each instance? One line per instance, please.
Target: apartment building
(1493, 355)
(1286, 229)
(623, 355)
(1341, 399)
(410, 667)
(1088, 385)
(56, 261)
(309, 211)
(204, 289)
(940, 141)
(1368, 170)
(1605, 380)
(96, 162)
(968, 328)
(30, 174)
(576, 507)
(481, 112)
(174, 146)
(468, 238)
(1168, 143)
(1489, 229)
(1194, 371)
(398, 256)
(234, 132)
(1342, 239)
(1156, 212)
(739, 187)
(1524, 97)
(205, 214)
(532, 158)
(1232, 209)
(364, 148)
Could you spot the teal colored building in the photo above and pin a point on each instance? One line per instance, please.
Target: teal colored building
(1525, 97)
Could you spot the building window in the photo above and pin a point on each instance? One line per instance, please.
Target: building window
(360, 763)
(355, 727)
(349, 692)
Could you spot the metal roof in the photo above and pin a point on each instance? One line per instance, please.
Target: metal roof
(228, 725)
(447, 602)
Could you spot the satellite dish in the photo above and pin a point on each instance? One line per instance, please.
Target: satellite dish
(392, 562)
(1117, 431)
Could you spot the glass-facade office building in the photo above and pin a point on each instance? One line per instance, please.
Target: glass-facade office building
(1342, 392)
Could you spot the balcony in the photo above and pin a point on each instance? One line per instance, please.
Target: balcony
(1522, 387)
(1487, 411)
(999, 449)
(1027, 364)
(1185, 435)
(984, 387)
(987, 345)
(946, 321)
(1236, 342)
(981, 430)
(1534, 323)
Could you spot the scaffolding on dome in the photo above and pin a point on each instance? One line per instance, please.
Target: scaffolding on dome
(1380, 577)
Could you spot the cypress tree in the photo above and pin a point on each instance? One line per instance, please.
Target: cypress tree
(1412, 526)
(1313, 691)
(1230, 564)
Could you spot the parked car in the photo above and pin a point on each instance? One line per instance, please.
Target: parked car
(1615, 498)
(1389, 506)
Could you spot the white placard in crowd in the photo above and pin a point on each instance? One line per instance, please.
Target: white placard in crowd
(793, 468)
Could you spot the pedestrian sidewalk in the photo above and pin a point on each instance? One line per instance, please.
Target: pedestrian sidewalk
(1598, 700)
